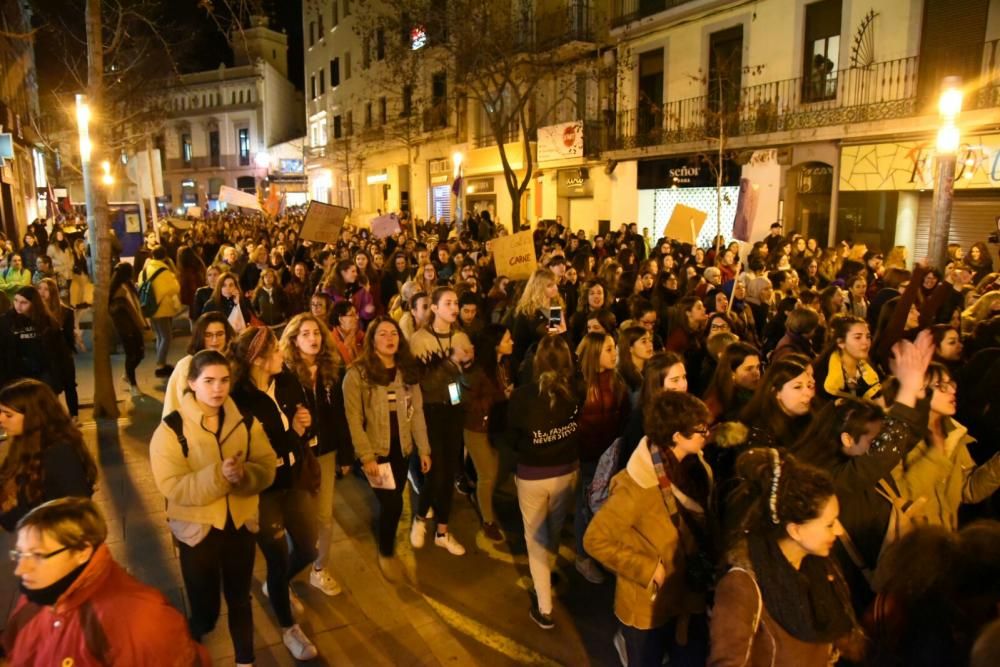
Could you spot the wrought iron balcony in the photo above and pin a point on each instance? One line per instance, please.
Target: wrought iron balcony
(626, 11)
(572, 23)
(487, 137)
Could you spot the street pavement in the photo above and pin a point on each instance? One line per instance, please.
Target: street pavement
(468, 610)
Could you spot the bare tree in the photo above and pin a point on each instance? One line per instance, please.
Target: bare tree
(501, 58)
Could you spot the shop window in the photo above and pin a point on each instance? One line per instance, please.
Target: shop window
(822, 51)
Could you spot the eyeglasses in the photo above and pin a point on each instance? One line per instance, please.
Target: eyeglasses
(17, 556)
(719, 326)
(949, 387)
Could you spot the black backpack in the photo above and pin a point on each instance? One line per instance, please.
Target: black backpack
(176, 424)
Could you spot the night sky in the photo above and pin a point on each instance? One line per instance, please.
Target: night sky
(197, 43)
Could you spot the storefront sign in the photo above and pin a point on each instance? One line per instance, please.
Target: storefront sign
(560, 141)
(477, 186)
(686, 172)
(910, 165)
(514, 255)
(574, 183)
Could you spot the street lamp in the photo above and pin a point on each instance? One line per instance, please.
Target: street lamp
(949, 106)
(457, 158)
(83, 129)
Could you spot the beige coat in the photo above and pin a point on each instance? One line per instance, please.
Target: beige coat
(631, 534)
(947, 478)
(198, 496)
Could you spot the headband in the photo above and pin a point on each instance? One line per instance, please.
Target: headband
(773, 501)
(258, 343)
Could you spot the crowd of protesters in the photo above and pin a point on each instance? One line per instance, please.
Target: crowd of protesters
(784, 454)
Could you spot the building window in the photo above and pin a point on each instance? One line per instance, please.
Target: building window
(366, 51)
(312, 87)
(407, 102)
(349, 123)
(214, 148)
(368, 114)
(319, 22)
(312, 33)
(822, 50)
(322, 81)
(383, 111)
(187, 150)
(335, 72)
(379, 44)
(243, 136)
(347, 65)
(347, 8)
(338, 130)
(336, 17)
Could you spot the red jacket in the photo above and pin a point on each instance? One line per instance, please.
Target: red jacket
(106, 618)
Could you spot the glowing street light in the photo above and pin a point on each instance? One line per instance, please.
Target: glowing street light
(262, 159)
(948, 141)
(106, 177)
(83, 127)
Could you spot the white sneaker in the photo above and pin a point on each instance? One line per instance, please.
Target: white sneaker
(418, 533)
(296, 604)
(324, 581)
(448, 542)
(298, 644)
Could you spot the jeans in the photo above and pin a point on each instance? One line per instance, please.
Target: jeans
(487, 462)
(163, 328)
(444, 431)
(324, 507)
(646, 648)
(287, 518)
(390, 501)
(544, 505)
(224, 559)
(582, 514)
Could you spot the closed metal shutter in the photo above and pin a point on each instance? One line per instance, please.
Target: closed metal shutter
(972, 219)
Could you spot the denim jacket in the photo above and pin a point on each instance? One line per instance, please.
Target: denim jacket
(367, 407)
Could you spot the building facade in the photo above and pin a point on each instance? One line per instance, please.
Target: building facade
(221, 123)
(22, 177)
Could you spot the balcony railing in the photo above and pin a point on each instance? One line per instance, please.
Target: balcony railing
(572, 23)
(882, 91)
(626, 11)
(988, 94)
(488, 139)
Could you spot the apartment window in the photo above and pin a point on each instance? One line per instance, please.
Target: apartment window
(319, 24)
(322, 81)
(406, 108)
(383, 111)
(349, 123)
(187, 150)
(379, 44)
(337, 128)
(312, 33)
(347, 65)
(581, 95)
(650, 112)
(822, 51)
(312, 87)
(368, 114)
(439, 88)
(347, 8)
(335, 72)
(243, 142)
(366, 51)
(214, 148)
(336, 17)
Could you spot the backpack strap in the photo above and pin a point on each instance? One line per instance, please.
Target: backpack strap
(176, 424)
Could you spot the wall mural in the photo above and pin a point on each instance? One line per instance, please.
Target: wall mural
(910, 165)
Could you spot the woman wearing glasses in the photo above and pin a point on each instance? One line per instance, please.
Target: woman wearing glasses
(940, 467)
(211, 331)
(654, 532)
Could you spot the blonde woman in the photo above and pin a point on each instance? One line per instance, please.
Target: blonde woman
(312, 382)
(986, 306)
(535, 315)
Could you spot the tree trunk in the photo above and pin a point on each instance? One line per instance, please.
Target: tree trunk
(99, 224)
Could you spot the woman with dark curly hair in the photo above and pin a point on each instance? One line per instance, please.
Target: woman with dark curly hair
(783, 602)
(46, 457)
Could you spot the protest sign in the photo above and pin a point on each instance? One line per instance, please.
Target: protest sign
(514, 255)
(323, 222)
(235, 197)
(685, 224)
(385, 225)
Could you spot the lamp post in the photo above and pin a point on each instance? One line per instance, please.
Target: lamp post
(949, 106)
(457, 188)
(83, 129)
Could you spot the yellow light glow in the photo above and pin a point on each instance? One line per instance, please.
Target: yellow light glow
(107, 178)
(947, 139)
(469, 190)
(456, 159)
(82, 114)
(950, 103)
